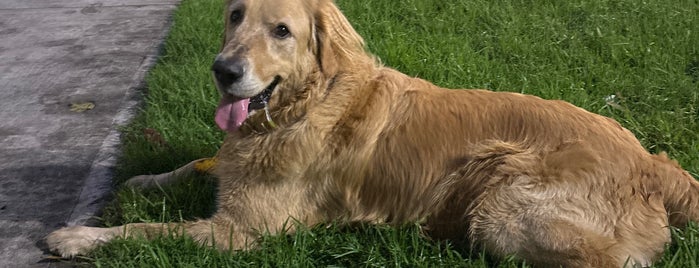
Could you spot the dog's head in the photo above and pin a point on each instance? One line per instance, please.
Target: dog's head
(274, 46)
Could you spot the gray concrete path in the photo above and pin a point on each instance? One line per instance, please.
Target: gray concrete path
(58, 58)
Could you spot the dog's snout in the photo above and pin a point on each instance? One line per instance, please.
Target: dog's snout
(228, 72)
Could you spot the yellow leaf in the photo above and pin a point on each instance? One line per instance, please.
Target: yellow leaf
(204, 165)
(81, 107)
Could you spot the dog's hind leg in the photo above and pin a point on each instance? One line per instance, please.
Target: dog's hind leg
(78, 240)
(510, 220)
(544, 242)
(547, 238)
(553, 212)
(199, 166)
(520, 210)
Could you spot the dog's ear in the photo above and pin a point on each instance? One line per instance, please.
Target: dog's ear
(337, 43)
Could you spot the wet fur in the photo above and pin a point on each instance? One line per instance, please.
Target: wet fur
(356, 141)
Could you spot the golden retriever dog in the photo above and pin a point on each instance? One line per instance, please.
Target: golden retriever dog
(320, 132)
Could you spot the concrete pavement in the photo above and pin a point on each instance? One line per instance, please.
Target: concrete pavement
(70, 73)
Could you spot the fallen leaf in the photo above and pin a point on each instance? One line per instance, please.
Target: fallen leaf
(153, 136)
(204, 165)
(81, 107)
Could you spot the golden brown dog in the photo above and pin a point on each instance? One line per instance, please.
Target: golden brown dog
(338, 137)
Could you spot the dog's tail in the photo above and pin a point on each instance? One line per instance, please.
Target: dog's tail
(679, 189)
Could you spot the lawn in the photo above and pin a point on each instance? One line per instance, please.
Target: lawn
(635, 61)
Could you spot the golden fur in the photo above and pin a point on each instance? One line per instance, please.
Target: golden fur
(355, 141)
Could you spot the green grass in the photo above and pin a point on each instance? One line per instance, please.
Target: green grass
(644, 53)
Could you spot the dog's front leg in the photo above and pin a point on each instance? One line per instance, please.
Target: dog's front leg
(221, 233)
(199, 166)
(246, 211)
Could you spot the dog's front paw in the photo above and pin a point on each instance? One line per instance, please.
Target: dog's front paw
(140, 182)
(77, 240)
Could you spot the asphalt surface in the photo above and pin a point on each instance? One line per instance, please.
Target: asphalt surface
(71, 72)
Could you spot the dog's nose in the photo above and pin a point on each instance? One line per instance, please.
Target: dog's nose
(228, 72)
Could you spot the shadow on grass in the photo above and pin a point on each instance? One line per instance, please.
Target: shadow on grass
(190, 198)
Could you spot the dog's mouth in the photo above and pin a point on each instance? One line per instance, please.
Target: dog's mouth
(232, 111)
(260, 100)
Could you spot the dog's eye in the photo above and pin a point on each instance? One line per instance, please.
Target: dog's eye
(236, 16)
(281, 31)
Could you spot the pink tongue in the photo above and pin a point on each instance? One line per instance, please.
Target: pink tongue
(231, 113)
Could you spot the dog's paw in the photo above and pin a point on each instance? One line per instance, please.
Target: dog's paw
(141, 181)
(77, 240)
